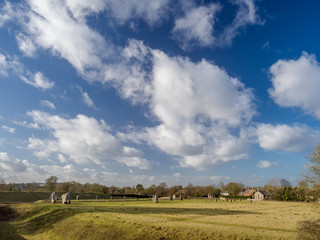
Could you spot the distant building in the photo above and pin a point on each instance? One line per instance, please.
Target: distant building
(261, 195)
(249, 192)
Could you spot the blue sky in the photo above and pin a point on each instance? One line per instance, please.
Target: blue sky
(124, 92)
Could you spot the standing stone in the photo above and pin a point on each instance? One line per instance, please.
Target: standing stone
(155, 199)
(77, 197)
(181, 197)
(53, 197)
(66, 198)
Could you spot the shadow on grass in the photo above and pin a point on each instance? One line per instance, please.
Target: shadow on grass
(168, 211)
(42, 218)
(8, 232)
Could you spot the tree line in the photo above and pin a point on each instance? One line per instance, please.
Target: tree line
(286, 192)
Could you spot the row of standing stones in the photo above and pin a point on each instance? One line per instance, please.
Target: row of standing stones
(65, 198)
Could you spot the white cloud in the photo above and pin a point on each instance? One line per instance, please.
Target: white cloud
(81, 8)
(11, 164)
(246, 15)
(38, 80)
(85, 98)
(196, 27)
(8, 63)
(177, 175)
(48, 104)
(207, 92)
(151, 11)
(205, 131)
(17, 170)
(82, 140)
(266, 164)
(283, 137)
(8, 129)
(295, 83)
(13, 65)
(26, 45)
(6, 13)
(3, 65)
(196, 104)
(60, 26)
(219, 178)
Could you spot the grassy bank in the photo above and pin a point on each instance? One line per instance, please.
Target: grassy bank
(188, 219)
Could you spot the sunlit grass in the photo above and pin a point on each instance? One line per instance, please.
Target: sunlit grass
(188, 219)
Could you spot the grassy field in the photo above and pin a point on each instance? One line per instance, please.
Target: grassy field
(188, 219)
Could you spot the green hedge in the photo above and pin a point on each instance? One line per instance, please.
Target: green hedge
(35, 196)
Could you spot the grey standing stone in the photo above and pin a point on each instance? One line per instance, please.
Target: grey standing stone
(155, 199)
(53, 197)
(66, 198)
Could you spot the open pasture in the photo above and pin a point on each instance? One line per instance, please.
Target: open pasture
(187, 219)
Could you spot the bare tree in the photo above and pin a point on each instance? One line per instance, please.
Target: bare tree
(313, 167)
(285, 183)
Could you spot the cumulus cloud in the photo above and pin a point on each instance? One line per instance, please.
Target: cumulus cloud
(17, 170)
(8, 129)
(82, 140)
(196, 104)
(206, 90)
(283, 137)
(199, 108)
(295, 83)
(11, 164)
(60, 26)
(196, 27)
(266, 164)
(38, 80)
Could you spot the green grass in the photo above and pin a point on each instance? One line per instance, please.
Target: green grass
(188, 219)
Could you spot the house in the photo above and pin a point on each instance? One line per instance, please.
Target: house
(261, 195)
(249, 192)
